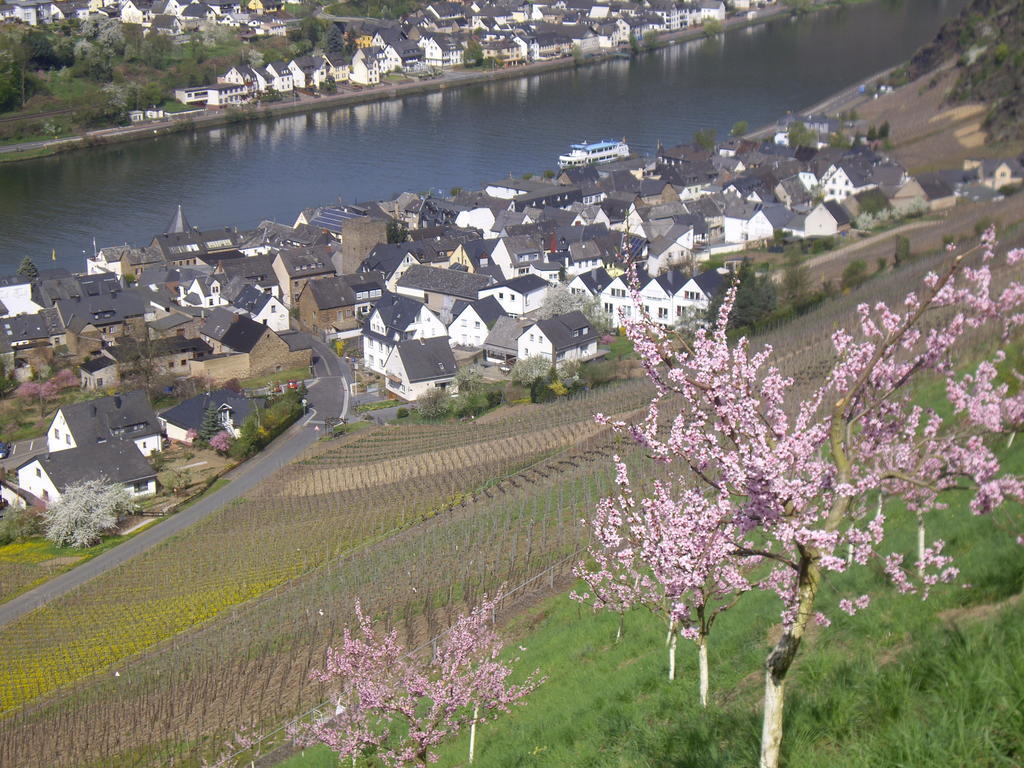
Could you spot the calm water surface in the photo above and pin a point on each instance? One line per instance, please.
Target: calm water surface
(238, 175)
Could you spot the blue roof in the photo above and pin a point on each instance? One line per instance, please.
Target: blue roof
(597, 145)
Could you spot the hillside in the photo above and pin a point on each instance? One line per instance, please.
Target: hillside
(987, 42)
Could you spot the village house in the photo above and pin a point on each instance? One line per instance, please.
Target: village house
(366, 67)
(170, 355)
(560, 338)
(85, 425)
(297, 266)
(262, 307)
(473, 320)
(394, 319)
(416, 366)
(337, 306)
(519, 295)
(243, 348)
(440, 288)
(48, 476)
(186, 418)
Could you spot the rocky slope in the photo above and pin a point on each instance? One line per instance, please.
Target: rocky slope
(987, 42)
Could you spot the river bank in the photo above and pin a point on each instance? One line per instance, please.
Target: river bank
(453, 79)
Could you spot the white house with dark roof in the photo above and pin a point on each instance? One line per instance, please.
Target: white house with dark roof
(473, 320)
(203, 291)
(842, 180)
(519, 295)
(128, 417)
(562, 337)
(366, 69)
(440, 287)
(416, 366)
(590, 284)
(395, 319)
(48, 475)
(263, 308)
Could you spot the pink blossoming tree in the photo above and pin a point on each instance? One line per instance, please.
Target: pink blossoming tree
(771, 478)
(394, 705)
(221, 442)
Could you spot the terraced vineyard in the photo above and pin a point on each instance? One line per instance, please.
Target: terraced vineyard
(297, 521)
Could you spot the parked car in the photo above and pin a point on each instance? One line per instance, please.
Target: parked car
(293, 384)
(5, 450)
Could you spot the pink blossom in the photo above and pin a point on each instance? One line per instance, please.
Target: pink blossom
(221, 441)
(393, 704)
(776, 477)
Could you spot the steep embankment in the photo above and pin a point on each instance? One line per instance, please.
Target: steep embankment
(987, 42)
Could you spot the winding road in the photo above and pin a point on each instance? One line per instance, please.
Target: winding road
(328, 398)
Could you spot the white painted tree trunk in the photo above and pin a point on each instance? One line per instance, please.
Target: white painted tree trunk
(618, 632)
(1009, 443)
(672, 639)
(472, 732)
(779, 662)
(920, 545)
(771, 731)
(702, 650)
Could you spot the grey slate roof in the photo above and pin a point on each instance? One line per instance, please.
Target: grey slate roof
(449, 282)
(96, 364)
(568, 331)
(596, 280)
(427, 359)
(104, 309)
(344, 290)
(839, 213)
(487, 309)
(252, 299)
(127, 348)
(396, 312)
(25, 329)
(525, 284)
(504, 336)
(236, 332)
(111, 418)
(303, 262)
(119, 461)
(710, 282)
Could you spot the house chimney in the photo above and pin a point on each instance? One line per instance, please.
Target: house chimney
(117, 399)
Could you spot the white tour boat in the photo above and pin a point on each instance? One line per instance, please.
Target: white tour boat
(594, 152)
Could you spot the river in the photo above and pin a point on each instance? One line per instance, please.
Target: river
(237, 175)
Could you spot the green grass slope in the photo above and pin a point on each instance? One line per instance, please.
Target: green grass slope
(906, 683)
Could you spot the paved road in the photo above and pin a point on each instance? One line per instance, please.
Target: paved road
(328, 397)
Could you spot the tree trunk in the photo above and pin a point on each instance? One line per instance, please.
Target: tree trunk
(920, 544)
(702, 650)
(672, 639)
(618, 632)
(779, 662)
(472, 732)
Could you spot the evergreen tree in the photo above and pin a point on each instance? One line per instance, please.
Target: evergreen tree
(755, 299)
(210, 425)
(28, 269)
(335, 41)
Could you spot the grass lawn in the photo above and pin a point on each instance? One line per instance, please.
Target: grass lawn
(25, 564)
(620, 348)
(281, 377)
